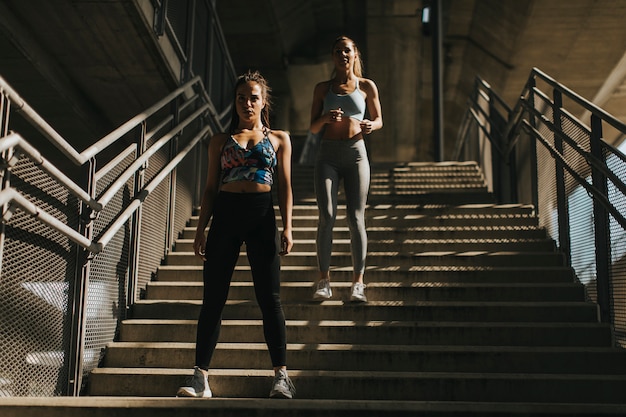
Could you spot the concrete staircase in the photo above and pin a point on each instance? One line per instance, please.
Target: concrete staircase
(471, 312)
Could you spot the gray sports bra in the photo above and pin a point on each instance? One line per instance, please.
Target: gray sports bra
(352, 104)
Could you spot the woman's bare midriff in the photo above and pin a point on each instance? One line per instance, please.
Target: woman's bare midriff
(347, 129)
(245, 187)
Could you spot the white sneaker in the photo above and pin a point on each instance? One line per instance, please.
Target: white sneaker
(196, 386)
(323, 291)
(357, 292)
(282, 387)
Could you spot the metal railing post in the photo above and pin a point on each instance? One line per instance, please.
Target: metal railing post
(5, 111)
(601, 225)
(135, 227)
(514, 193)
(534, 167)
(81, 284)
(496, 173)
(199, 183)
(561, 193)
(160, 10)
(171, 207)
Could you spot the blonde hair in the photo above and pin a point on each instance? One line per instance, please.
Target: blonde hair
(358, 62)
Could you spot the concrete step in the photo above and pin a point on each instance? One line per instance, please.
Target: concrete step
(260, 407)
(435, 167)
(434, 232)
(420, 221)
(469, 304)
(411, 274)
(423, 245)
(453, 196)
(371, 385)
(392, 358)
(373, 332)
(385, 291)
(429, 179)
(420, 187)
(398, 259)
(375, 210)
(502, 312)
(391, 196)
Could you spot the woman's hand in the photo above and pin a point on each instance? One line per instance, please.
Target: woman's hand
(335, 115)
(199, 244)
(366, 126)
(286, 242)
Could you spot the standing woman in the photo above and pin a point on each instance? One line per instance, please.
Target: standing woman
(338, 112)
(242, 167)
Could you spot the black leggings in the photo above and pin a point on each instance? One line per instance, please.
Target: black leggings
(239, 218)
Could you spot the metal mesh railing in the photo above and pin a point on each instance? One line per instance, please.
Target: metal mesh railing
(565, 168)
(108, 274)
(616, 163)
(76, 254)
(35, 290)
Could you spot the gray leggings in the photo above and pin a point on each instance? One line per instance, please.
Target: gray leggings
(337, 159)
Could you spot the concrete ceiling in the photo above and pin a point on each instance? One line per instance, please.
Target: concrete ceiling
(91, 58)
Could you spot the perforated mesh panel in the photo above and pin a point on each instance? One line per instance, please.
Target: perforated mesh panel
(580, 211)
(617, 237)
(579, 204)
(152, 242)
(35, 291)
(40, 267)
(108, 275)
(186, 175)
(582, 245)
(39, 270)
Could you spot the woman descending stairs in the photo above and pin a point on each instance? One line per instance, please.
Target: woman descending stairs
(471, 311)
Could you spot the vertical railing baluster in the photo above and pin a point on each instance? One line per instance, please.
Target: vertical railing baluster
(135, 229)
(601, 224)
(79, 298)
(561, 193)
(5, 108)
(534, 167)
(171, 207)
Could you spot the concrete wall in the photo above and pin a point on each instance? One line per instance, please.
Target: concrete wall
(395, 62)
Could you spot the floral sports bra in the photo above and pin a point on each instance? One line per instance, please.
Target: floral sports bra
(255, 164)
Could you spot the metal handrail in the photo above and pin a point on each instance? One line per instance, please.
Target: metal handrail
(122, 130)
(593, 191)
(473, 108)
(516, 122)
(103, 217)
(15, 140)
(38, 122)
(546, 132)
(12, 199)
(137, 163)
(119, 222)
(588, 105)
(588, 156)
(81, 158)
